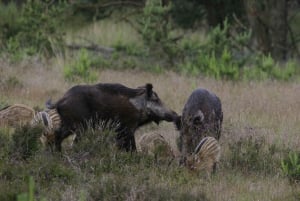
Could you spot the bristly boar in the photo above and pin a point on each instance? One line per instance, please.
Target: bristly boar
(205, 157)
(202, 116)
(131, 108)
(16, 115)
(154, 144)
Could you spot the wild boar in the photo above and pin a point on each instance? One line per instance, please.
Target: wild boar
(202, 116)
(205, 157)
(16, 115)
(130, 107)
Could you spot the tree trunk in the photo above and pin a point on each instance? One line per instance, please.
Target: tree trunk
(279, 28)
(268, 22)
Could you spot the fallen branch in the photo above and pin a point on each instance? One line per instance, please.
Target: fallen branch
(107, 51)
(109, 4)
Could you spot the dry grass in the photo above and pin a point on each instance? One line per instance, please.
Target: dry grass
(105, 32)
(269, 109)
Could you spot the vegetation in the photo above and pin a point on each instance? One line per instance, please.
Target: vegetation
(32, 30)
(258, 133)
(227, 51)
(46, 47)
(291, 166)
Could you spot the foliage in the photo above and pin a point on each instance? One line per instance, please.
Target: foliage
(225, 53)
(253, 155)
(35, 28)
(80, 68)
(210, 65)
(187, 13)
(8, 18)
(96, 167)
(266, 68)
(155, 28)
(25, 141)
(216, 57)
(291, 166)
(29, 196)
(91, 10)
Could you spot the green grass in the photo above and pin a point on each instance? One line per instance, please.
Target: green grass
(250, 167)
(95, 170)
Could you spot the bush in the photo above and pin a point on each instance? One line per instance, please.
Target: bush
(9, 15)
(290, 166)
(220, 56)
(156, 28)
(96, 151)
(36, 28)
(80, 68)
(265, 67)
(25, 142)
(5, 143)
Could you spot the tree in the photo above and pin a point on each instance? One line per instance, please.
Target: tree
(268, 22)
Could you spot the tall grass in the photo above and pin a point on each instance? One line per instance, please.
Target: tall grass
(94, 169)
(261, 123)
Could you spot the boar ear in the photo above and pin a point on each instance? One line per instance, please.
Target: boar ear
(149, 90)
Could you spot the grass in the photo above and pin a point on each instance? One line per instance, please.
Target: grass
(267, 110)
(105, 32)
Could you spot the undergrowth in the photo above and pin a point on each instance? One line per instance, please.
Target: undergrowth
(252, 155)
(94, 165)
(102, 171)
(37, 28)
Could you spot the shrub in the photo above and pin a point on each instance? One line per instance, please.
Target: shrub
(96, 151)
(265, 67)
(35, 29)
(156, 28)
(25, 142)
(80, 68)
(223, 67)
(5, 143)
(8, 22)
(253, 155)
(290, 166)
(220, 56)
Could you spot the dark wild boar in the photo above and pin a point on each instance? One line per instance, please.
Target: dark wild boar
(131, 108)
(202, 116)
